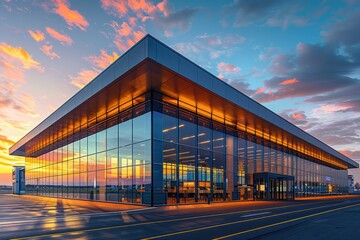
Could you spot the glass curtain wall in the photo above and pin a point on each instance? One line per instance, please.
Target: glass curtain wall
(201, 160)
(109, 161)
(157, 149)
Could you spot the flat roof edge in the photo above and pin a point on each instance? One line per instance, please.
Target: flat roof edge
(123, 64)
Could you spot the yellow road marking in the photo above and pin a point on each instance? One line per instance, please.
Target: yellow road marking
(232, 223)
(164, 221)
(283, 222)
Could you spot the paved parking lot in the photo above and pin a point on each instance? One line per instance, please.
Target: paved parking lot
(30, 217)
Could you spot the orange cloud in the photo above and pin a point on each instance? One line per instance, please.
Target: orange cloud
(62, 38)
(14, 55)
(297, 115)
(163, 7)
(7, 161)
(143, 9)
(104, 60)
(37, 35)
(260, 90)
(84, 77)
(72, 17)
(125, 29)
(289, 81)
(142, 5)
(47, 50)
(125, 36)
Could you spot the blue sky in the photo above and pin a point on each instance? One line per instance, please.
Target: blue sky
(301, 59)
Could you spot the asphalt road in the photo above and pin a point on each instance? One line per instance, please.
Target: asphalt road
(47, 218)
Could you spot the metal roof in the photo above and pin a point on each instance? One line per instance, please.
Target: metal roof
(151, 48)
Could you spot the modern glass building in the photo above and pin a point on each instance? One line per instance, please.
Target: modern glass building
(155, 128)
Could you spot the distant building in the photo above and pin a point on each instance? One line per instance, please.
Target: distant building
(351, 183)
(154, 128)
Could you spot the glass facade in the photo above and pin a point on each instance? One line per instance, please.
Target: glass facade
(157, 150)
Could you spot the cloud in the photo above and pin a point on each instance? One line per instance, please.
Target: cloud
(12, 123)
(37, 35)
(273, 13)
(294, 116)
(223, 41)
(125, 35)
(84, 77)
(317, 69)
(247, 12)
(351, 153)
(47, 50)
(115, 7)
(180, 20)
(212, 46)
(104, 60)
(143, 9)
(260, 90)
(62, 38)
(11, 72)
(11, 99)
(161, 14)
(18, 55)
(345, 31)
(227, 68)
(339, 133)
(72, 17)
(5, 140)
(289, 81)
(98, 64)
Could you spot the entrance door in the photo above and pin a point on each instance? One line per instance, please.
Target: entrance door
(272, 186)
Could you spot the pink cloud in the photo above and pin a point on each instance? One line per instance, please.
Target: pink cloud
(72, 17)
(331, 108)
(289, 81)
(37, 35)
(11, 72)
(224, 67)
(47, 50)
(62, 38)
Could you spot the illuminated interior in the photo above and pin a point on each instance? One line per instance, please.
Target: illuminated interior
(154, 137)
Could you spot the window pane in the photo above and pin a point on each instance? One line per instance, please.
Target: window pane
(142, 127)
(125, 133)
(112, 137)
(142, 153)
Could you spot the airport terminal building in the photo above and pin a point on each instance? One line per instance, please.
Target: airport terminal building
(154, 128)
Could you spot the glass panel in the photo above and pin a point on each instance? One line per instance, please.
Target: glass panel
(142, 128)
(125, 133)
(112, 182)
(169, 152)
(112, 137)
(101, 141)
(204, 175)
(187, 156)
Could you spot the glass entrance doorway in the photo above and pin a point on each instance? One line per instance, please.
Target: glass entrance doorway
(272, 186)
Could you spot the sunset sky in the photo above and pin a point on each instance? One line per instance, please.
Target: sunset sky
(301, 59)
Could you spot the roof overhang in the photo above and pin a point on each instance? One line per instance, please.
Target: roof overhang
(152, 65)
